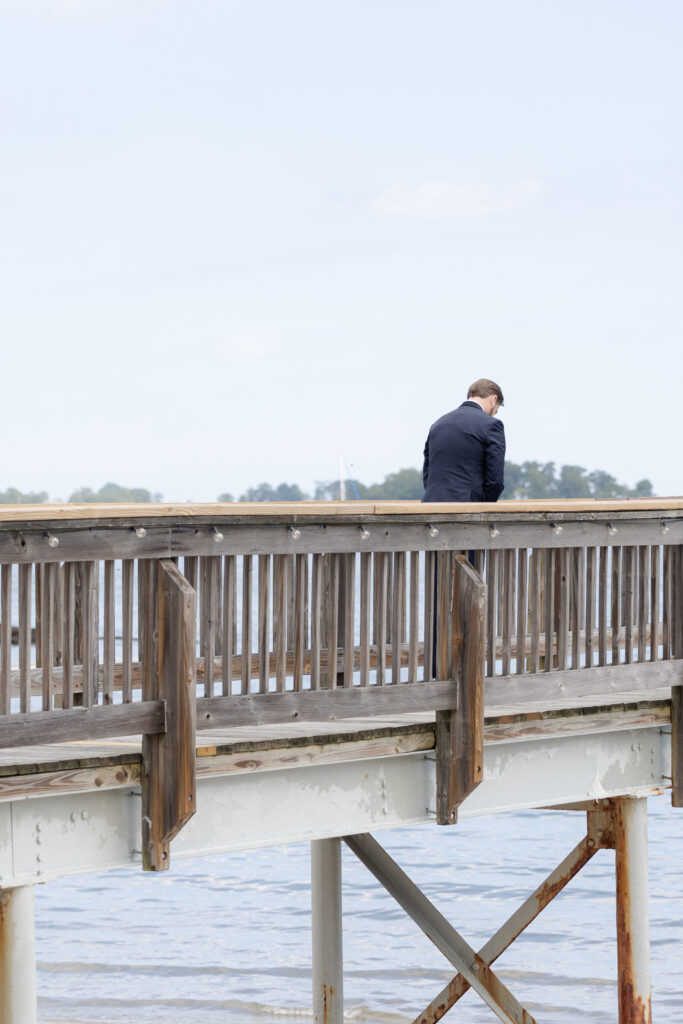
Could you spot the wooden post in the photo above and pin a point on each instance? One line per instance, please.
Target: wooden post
(169, 674)
(460, 731)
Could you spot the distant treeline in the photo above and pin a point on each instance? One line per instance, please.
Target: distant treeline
(525, 480)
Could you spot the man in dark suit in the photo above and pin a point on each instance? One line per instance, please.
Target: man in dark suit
(464, 457)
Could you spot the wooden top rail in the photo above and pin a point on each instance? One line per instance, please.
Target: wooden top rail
(12, 515)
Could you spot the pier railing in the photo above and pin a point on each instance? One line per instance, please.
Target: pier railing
(324, 611)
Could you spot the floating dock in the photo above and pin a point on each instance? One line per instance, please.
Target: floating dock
(187, 680)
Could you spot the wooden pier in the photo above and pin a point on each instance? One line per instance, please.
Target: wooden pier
(182, 680)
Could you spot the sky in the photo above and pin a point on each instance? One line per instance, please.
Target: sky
(239, 238)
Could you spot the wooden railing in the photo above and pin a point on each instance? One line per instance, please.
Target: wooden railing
(315, 612)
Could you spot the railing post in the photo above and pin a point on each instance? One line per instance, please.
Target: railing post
(460, 731)
(169, 674)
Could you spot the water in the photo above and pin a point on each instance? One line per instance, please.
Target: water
(227, 939)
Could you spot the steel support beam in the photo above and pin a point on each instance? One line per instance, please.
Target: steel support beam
(475, 971)
(633, 927)
(17, 956)
(328, 969)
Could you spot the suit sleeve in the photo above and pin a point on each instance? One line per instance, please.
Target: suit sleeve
(494, 480)
(425, 465)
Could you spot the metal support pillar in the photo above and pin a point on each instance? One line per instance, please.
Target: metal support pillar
(328, 990)
(17, 957)
(633, 929)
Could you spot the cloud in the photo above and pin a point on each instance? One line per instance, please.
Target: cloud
(442, 199)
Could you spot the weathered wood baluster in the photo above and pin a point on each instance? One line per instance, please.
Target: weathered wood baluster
(89, 623)
(591, 566)
(522, 588)
(229, 615)
(429, 614)
(654, 602)
(398, 614)
(208, 617)
(300, 577)
(127, 594)
(25, 588)
(109, 632)
(5, 638)
(549, 609)
(263, 622)
(535, 609)
(413, 626)
(627, 601)
(578, 570)
(602, 608)
(616, 594)
(666, 602)
(365, 616)
(563, 582)
(38, 612)
(332, 619)
(381, 575)
(444, 625)
(49, 573)
(291, 601)
(492, 559)
(317, 594)
(349, 617)
(643, 599)
(247, 573)
(508, 607)
(68, 633)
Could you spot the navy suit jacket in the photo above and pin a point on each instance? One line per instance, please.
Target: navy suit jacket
(464, 457)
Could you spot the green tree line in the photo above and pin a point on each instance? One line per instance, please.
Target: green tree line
(522, 480)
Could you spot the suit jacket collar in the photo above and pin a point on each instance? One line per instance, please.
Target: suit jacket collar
(472, 405)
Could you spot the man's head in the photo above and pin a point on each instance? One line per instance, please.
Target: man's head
(487, 394)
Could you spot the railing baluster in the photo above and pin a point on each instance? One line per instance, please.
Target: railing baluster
(643, 599)
(68, 633)
(602, 608)
(280, 620)
(444, 624)
(564, 583)
(127, 592)
(549, 608)
(666, 603)
(654, 602)
(5, 638)
(429, 614)
(590, 603)
(381, 574)
(349, 617)
(109, 633)
(522, 585)
(508, 606)
(246, 622)
(627, 599)
(365, 616)
(264, 622)
(47, 636)
(317, 594)
(492, 604)
(299, 620)
(89, 613)
(577, 556)
(25, 587)
(413, 615)
(332, 618)
(616, 594)
(535, 608)
(229, 610)
(398, 614)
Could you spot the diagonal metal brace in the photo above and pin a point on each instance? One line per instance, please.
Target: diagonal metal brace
(473, 968)
(514, 926)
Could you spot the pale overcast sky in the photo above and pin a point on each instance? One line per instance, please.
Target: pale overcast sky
(238, 237)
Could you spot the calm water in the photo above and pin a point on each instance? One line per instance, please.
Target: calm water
(227, 939)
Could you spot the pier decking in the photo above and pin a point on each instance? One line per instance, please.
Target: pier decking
(192, 679)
